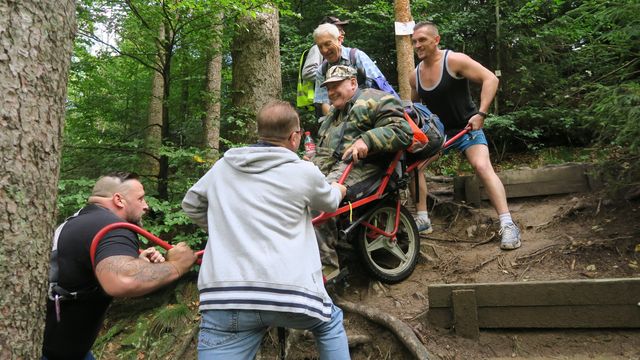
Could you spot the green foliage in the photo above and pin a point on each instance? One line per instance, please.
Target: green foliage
(113, 331)
(72, 196)
(614, 114)
(451, 164)
(170, 318)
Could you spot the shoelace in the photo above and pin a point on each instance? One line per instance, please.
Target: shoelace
(510, 229)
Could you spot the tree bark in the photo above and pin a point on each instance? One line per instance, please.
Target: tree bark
(211, 123)
(496, 109)
(404, 49)
(168, 44)
(256, 63)
(36, 41)
(153, 138)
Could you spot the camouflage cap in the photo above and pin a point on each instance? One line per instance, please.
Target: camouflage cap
(339, 73)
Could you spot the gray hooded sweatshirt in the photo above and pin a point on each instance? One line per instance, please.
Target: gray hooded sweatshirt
(262, 252)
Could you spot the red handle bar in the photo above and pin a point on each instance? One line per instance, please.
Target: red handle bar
(456, 137)
(419, 164)
(137, 229)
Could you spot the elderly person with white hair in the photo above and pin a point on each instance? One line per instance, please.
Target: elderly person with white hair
(329, 41)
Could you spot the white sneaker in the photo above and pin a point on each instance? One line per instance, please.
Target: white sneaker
(510, 237)
(424, 227)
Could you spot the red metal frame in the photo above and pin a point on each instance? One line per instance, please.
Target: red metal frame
(419, 164)
(323, 217)
(391, 235)
(137, 229)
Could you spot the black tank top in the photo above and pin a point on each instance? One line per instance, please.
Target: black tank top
(450, 99)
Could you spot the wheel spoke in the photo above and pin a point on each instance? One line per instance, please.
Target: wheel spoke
(391, 222)
(376, 244)
(397, 252)
(390, 260)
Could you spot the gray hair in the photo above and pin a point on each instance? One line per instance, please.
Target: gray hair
(326, 29)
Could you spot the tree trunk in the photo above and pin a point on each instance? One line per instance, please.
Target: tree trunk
(404, 49)
(163, 173)
(498, 71)
(256, 63)
(185, 84)
(211, 122)
(153, 138)
(36, 41)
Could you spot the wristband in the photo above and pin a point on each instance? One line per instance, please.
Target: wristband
(483, 114)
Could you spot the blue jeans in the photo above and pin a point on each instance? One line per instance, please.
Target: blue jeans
(473, 137)
(237, 334)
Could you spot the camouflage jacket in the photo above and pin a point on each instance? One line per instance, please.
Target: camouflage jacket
(372, 115)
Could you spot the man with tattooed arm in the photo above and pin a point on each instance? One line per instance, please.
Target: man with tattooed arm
(79, 295)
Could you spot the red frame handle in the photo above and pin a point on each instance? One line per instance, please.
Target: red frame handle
(135, 228)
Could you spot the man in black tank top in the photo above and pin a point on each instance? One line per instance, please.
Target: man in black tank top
(441, 81)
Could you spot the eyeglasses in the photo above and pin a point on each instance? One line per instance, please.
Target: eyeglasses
(301, 131)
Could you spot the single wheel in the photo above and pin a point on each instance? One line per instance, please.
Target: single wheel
(389, 259)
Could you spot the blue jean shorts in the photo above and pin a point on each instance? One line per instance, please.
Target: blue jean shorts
(474, 137)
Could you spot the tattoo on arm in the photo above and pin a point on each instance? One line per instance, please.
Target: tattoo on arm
(135, 268)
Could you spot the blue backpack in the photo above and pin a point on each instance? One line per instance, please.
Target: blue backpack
(430, 125)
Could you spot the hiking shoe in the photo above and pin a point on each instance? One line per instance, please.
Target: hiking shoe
(510, 237)
(424, 227)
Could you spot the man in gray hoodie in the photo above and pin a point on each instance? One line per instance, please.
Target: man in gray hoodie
(261, 265)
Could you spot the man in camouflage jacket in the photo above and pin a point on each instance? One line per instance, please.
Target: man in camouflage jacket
(362, 123)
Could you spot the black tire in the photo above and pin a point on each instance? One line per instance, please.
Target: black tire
(390, 262)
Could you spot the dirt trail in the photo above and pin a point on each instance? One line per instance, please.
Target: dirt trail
(577, 236)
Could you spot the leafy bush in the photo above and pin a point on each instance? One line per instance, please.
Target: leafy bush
(614, 114)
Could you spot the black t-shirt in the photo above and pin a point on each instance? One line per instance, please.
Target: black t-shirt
(81, 319)
(450, 99)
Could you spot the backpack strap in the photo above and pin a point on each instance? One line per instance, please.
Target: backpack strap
(56, 292)
(303, 58)
(362, 73)
(324, 67)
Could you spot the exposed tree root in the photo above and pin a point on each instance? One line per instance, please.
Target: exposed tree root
(186, 341)
(357, 340)
(402, 331)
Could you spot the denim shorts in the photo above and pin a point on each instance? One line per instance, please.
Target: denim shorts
(474, 137)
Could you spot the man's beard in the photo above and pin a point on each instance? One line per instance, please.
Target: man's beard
(135, 221)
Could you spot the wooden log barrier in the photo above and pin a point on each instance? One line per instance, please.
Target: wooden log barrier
(602, 303)
(549, 180)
